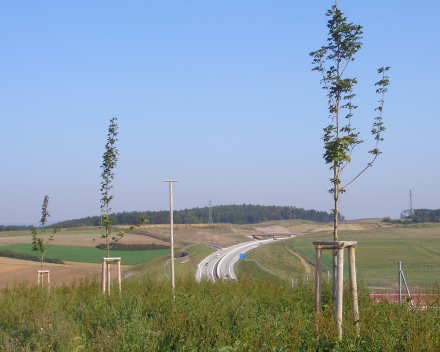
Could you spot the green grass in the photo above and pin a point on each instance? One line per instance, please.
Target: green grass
(380, 248)
(276, 258)
(154, 268)
(89, 254)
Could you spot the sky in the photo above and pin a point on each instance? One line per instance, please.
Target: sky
(218, 95)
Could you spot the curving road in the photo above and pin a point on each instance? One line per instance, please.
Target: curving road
(220, 264)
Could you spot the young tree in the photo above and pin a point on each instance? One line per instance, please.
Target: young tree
(109, 161)
(340, 138)
(110, 158)
(38, 243)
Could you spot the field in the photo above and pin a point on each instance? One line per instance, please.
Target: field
(89, 237)
(380, 247)
(89, 254)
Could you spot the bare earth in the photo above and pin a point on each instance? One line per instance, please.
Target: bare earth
(16, 270)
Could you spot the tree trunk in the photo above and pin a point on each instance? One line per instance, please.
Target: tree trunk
(335, 235)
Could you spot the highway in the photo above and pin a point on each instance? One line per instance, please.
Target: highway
(220, 264)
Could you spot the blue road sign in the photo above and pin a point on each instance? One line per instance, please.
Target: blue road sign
(242, 256)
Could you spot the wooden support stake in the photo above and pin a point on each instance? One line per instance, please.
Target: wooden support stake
(353, 287)
(318, 280)
(335, 278)
(119, 275)
(340, 291)
(108, 278)
(103, 277)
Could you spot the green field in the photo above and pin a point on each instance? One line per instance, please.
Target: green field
(89, 254)
(380, 248)
(378, 253)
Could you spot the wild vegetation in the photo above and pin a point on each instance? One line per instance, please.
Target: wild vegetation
(233, 214)
(13, 227)
(23, 256)
(116, 246)
(248, 315)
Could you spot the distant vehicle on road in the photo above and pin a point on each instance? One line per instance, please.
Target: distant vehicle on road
(261, 242)
(217, 255)
(206, 264)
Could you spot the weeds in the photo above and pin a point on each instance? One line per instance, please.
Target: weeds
(248, 315)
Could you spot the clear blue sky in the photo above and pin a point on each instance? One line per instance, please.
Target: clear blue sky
(216, 94)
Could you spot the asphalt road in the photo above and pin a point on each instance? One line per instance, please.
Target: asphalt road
(220, 264)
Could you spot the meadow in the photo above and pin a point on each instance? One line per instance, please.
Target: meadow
(89, 254)
(248, 315)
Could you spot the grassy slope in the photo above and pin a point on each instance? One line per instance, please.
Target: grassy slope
(382, 247)
(275, 257)
(89, 254)
(154, 268)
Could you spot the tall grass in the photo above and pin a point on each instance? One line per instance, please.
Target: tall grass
(248, 315)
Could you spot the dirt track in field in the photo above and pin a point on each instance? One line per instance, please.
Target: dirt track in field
(16, 270)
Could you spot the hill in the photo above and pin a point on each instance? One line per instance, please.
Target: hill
(233, 214)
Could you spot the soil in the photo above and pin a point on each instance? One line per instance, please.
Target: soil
(16, 271)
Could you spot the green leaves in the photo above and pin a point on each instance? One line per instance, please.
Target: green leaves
(38, 244)
(343, 42)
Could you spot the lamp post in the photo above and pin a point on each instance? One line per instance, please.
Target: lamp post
(171, 232)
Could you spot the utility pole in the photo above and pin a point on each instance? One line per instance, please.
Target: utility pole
(410, 203)
(171, 233)
(210, 212)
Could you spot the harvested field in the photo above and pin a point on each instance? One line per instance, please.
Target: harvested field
(15, 270)
(222, 235)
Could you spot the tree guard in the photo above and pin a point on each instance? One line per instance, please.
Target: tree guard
(105, 277)
(339, 246)
(41, 277)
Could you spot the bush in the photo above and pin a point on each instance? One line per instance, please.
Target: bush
(133, 247)
(10, 254)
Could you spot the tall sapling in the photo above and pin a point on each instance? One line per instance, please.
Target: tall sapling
(340, 138)
(38, 244)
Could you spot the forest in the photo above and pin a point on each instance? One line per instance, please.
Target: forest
(424, 215)
(234, 214)
(13, 227)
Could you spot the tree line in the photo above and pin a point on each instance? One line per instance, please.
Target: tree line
(415, 216)
(23, 256)
(14, 228)
(116, 246)
(234, 214)
(424, 215)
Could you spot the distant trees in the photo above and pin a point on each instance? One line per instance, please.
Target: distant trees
(424, 215)
(135, 247)
(39, 245)
(234, 214)
(13, 227)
